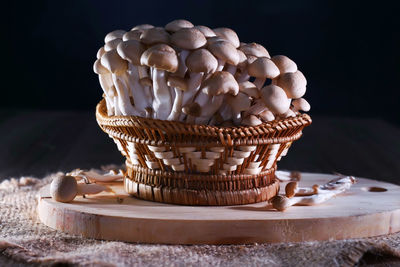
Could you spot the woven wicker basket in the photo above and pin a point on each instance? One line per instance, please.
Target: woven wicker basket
(174, 162)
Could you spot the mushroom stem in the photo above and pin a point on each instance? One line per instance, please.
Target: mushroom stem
(162, 97)
(209, 108)
(90, 189)
(221, 64)
(243, 76)
(141, 98)
(124, 102)
(177, 106)
(193, 86)
(292, 189)
(341, 183)
(106, 86)
(231, 69)
(259, 82)
(182, 65)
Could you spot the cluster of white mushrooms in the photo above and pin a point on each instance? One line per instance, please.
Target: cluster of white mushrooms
(194, 74)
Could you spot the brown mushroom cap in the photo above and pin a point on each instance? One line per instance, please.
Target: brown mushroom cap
(178, 24)
(207, 32)
(284, 63)
(290, 189)
(64, 188)
(225, 51)
(301, 104)
(275, 99)
(220, 82)
(142, 27)
(249, 89)
(131, 51)
(263, 68)
(154, 36)
(229, 35)
(178, 82)
(113, 62)
(254, 49)
(294, 84)
(280, 202)
(188, 38)
(251, 59)
(160, 56)
(117, 34)
(112, 44)
(201, 60)
(132, 35)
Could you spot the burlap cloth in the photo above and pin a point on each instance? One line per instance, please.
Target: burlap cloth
(23, 238)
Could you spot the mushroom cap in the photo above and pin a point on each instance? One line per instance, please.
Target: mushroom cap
(188, 38)
(214, 39)
(290, 189)
(142, 27)
(63, 188)
(288, 113)
(301, 104)
(131, 51)
(154, 36)
(98, 68)
(192, 109)
(117, 34)
(177, 82)
(207, 32)
(242, 59)
(279, 202)
(239, 103)
(229, 35)
(113, 62)
(251, 59)
(225, 51)
(267, 115)
(284, 63)
(100, 52)
(294, 84)
(254, 49)
(178, 24)
(263, 67)
(160, 56)
(201, 60)
(132, 35)
(275, 99)
(220, 82)
(249, 89)
(112, 44)
(251, 120)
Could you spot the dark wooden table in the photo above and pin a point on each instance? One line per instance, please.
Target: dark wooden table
(41, 142)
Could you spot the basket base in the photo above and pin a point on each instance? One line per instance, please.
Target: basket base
(200, 197)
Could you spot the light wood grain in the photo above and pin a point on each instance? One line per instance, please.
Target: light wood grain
(357, 213)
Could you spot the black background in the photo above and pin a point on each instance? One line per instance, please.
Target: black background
(349, 51)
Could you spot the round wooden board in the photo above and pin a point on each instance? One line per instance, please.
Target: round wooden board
(369, 208)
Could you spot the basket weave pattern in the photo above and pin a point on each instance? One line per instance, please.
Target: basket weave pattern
(180, 163)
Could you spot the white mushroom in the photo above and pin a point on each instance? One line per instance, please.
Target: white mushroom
(229, 35)
(117, 34)
(178, 24)
(106, 84)
(262, 68)
(180, 86)
(65, 188)
(300, 104)
(294, 84)
(238, 103)
(162, 58)
(117, 66)
(284, 64)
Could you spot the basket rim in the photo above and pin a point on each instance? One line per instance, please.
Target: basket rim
(119, 120)
(277, 131)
